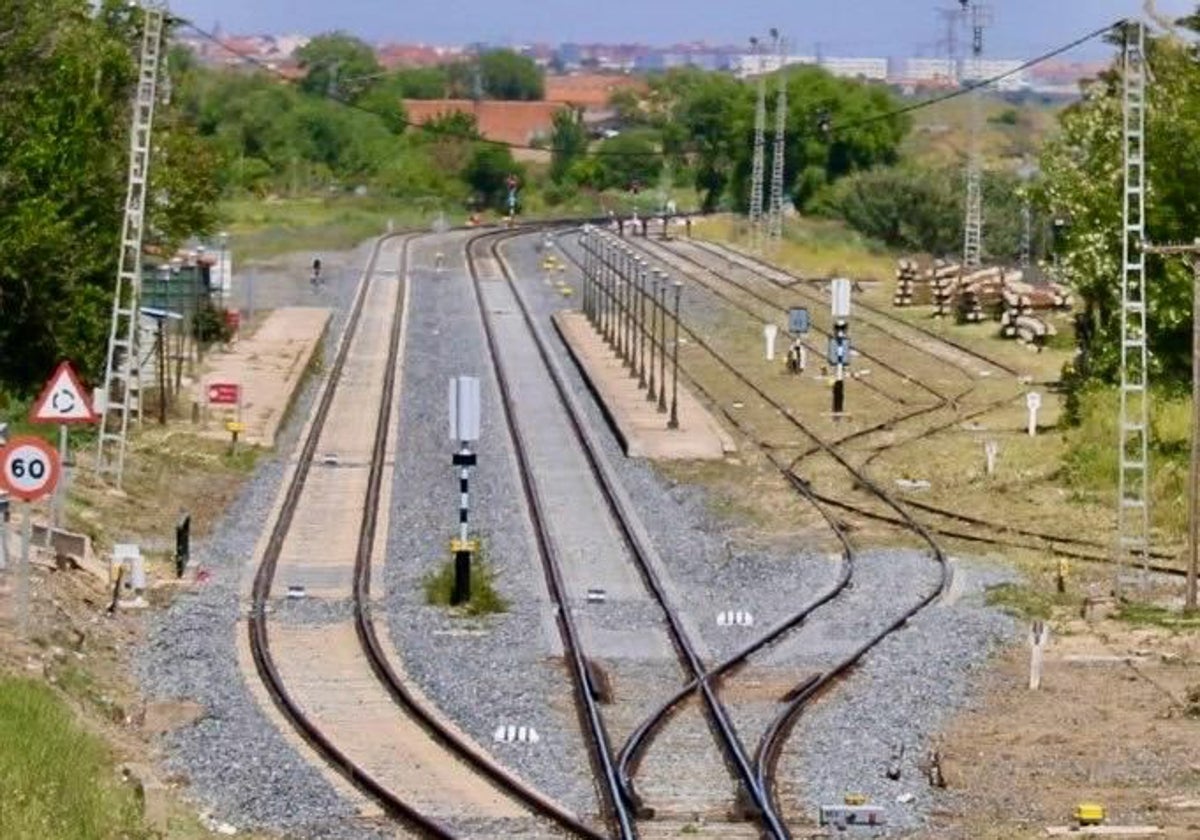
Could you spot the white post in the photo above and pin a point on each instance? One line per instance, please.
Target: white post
(1037, 640)
(23, 574)
(770, 331)
(1033, 401)
(990, 448)
(58, 504)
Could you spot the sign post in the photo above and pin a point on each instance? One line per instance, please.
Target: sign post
(1033, 401)
(29, 470)
(769, 333)
(512, 183)
(464, 429)
(64, 401)
(839, 342)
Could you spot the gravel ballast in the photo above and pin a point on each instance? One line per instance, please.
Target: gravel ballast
(238, 766)
(502, 669)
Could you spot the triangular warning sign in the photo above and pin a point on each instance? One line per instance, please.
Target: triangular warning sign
(63, 400)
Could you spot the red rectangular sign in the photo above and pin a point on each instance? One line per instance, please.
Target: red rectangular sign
(224, 393)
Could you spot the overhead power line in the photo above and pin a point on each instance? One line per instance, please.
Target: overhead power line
(829, 127)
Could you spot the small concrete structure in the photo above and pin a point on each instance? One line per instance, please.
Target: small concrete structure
(269, 366)
(639, 426)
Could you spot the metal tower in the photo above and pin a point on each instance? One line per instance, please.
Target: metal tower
(756, 173)
(775, 214)
(1133, 510)
(973, 224)
(122, 385)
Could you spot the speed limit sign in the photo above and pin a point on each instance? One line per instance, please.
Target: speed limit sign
(29, 468)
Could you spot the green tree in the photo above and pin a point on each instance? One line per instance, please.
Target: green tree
(1082, 185)
(487, 174)
(568, 141)
(507, 75)
(65, 74)
(630, 158)
(339, 65)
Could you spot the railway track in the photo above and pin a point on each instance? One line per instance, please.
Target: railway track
(942, 520)
(349, 702)
(633, 535)
(772, 742)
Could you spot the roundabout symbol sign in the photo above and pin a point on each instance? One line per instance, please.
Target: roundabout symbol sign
(29, 468)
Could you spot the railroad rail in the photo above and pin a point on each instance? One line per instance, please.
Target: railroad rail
(461, 748)
(640, 550)
(767, 754)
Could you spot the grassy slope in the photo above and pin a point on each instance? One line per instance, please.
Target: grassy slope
(57, 779)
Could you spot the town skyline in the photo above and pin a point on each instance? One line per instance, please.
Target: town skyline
(1020, 28)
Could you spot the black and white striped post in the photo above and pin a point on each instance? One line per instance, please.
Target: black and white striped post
(464, 429)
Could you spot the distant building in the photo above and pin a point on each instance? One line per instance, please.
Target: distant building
(875, 69)
(990, 68)
(927, 70)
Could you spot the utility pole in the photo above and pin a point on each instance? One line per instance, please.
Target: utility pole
(775, 218)
(757, 166)
(1192, 251)
(122, 382)
(953, 19)
(1133, 508)
(973, 225)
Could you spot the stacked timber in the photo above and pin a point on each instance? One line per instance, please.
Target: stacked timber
(979, 295)
(910, 288)
(945, 279)
(915, 286)
(1027, 309)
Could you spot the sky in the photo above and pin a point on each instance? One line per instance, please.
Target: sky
(1021, 28)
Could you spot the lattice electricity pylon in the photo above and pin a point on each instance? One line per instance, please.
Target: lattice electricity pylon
(122, 384)
(973, 222)
(775, 214)
(757, 165)
(1133, 508)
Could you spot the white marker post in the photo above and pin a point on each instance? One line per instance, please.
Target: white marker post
(990, 448)
(770, 331)
(1038, 635)
(1033, 401)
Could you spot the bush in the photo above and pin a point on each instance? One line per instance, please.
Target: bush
(209, 325)
(484, 598)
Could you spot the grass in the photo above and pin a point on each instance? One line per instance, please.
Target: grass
(1090, 462)
(1151, 615)
(58, 780)
(811, 247)
(1010, 133)
(484, 598)
(263, 228)
(1026, 601)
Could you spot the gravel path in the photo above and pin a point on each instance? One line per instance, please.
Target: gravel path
(240, 768)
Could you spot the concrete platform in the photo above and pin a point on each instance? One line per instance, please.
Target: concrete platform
(269, 365)
(639, 426)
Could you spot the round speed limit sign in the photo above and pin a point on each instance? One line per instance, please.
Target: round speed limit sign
(28, 468)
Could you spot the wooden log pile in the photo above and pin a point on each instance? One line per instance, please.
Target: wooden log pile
(1026, 311)
(978, 295)
(916, 286)
(992, 293)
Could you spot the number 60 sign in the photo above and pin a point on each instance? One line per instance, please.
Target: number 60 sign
(29, 468)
